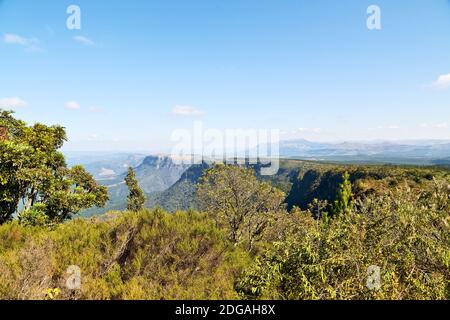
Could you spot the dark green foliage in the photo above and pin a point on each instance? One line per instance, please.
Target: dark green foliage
(314, 184)
(323, 181)
(136, 197)
(35, 216)
(33, 171)
(344, 202)
(180, 196)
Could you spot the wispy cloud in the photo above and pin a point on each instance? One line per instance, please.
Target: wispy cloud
(72, 105)
(13, 102)
(93, 137)
(84, 40)
(30, 44)
(440, 125)
(96, 110)
(442, 82)
(186, 111)
(389, 127)
(314, 130)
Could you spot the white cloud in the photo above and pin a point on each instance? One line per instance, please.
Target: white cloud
(441, 125)
(15, 39)
(93, 137)
(390, 127)
(442, 82)
(13, 102)
(104, 172)
(72, 105)
(84, 40)
(186, 111)
(31, 44)
(314, 130)
(96, 110)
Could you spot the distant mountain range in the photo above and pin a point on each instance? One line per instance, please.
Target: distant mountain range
(422, 152)
(171, 185)
(105, 165)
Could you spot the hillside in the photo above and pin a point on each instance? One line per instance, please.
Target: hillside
(322, 183)
(304, 181)
(146, 255)
(181, 195)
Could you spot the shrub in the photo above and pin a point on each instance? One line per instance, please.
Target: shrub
(36, 216)
(406, 234)
(139, 255)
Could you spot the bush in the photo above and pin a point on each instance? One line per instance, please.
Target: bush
(405, 234)
(144, 255)
(36, 216)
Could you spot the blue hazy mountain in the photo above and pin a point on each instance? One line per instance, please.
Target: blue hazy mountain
(425, 152)
(155, 174)
(105, 165)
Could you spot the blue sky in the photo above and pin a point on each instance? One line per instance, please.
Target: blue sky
(137, 70)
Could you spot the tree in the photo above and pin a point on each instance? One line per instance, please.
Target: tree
(73, 191)
(136, 198)
(238, 201)
(344, 201)
(33, 171)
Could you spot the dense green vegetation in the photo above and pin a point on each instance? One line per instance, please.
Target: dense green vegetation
(313, 231)
(34, 174)
(404, 233)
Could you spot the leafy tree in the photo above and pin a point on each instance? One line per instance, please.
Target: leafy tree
(73, 191)
(136, 198)
(344, 201)
(239, 202)
(33, 171)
